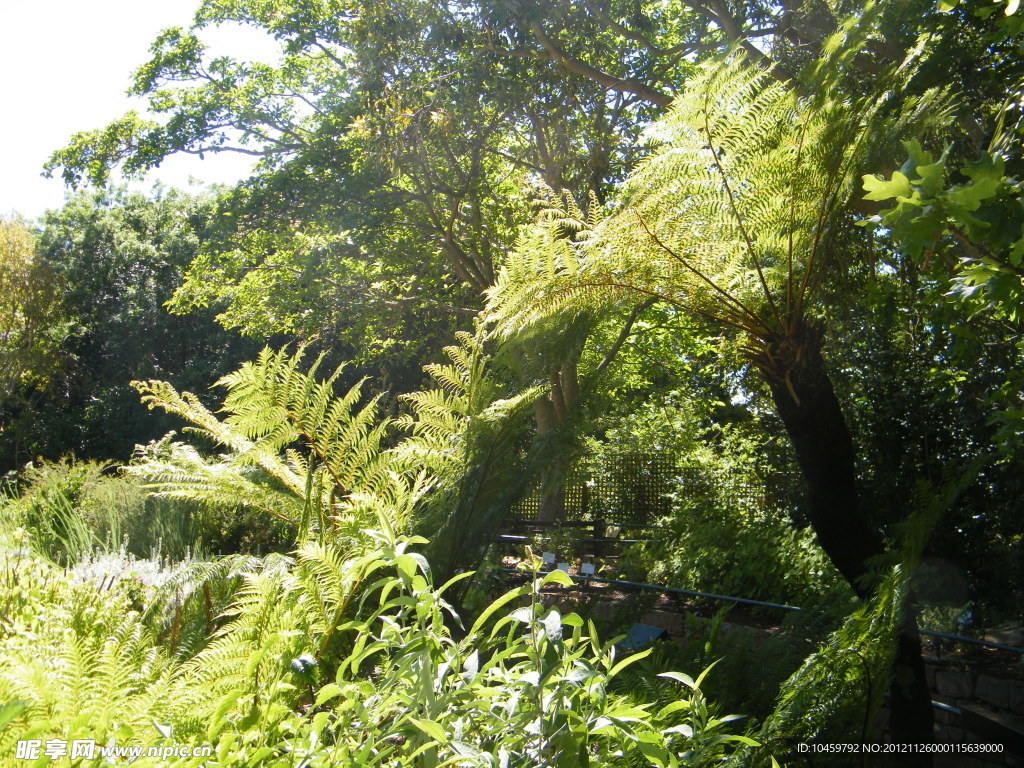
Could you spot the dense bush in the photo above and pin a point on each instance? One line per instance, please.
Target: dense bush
(74, 508)
(737, 552)
(726, 528)
(332, 661)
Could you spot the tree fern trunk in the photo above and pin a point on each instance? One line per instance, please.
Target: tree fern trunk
(807, 404)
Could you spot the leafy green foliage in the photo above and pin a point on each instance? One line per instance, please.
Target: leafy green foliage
(729, 219)
(315, 662)
(77, 658)
(931, 392)
(729, 525)
(399, 143)
(31, 323)
(116, 513)
(982, 215)
(297, 452)
(840, 687)
(114, 260)
(734, 552)
(468, 432)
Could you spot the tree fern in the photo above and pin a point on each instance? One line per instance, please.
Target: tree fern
(736, 218)
(728, 218)
(467, 431)
(295, 450)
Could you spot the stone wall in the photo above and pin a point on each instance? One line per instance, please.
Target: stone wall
(989, 698)
(983, 700)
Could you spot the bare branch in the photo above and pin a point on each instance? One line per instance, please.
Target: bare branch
(623, 334)
(612, 83)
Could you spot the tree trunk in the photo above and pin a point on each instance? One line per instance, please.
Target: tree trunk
(809, 409)
(549, 411)
(552, 502)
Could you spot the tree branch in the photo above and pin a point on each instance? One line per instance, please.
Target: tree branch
(623, 334)
(612, 83)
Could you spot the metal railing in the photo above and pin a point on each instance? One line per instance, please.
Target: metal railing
(763, 604)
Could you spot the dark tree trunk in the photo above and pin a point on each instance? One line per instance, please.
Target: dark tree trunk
(809, 409)
(552, 502)
(549, 411)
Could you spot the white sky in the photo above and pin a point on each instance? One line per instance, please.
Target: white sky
(64, 68)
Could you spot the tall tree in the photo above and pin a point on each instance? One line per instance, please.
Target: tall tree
(450, 106)
(31, 327)
(399, 144)
(118, 257)
(738, 218)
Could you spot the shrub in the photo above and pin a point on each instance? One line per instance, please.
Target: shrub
(332, 661)
(753, 555)
(75, 508)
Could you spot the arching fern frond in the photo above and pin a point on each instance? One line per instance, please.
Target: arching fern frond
(728, 218)
(186, 609)
(839, 688)
(465, 432)
(296, 450)
(177, 470)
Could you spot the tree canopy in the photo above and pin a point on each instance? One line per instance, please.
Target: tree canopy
(792, 232)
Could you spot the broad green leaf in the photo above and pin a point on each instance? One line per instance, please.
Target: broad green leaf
(406, 566)
(741, 739)
(679, 677)
(916, 155)
(421, 562)
(431, 728)
(933, 178)
(523, 615)
(702, 675)
(627, 661)
(572, 620)
(11, 710)
(471, 666)
(319, 722)
(987, 177)
(673, 707)
(553, 626)
(260, 755)
(557, 577)
(454, 580)
(656, 753)
(497, 605)
(879, 189)
(626, 712)
(328, 692)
